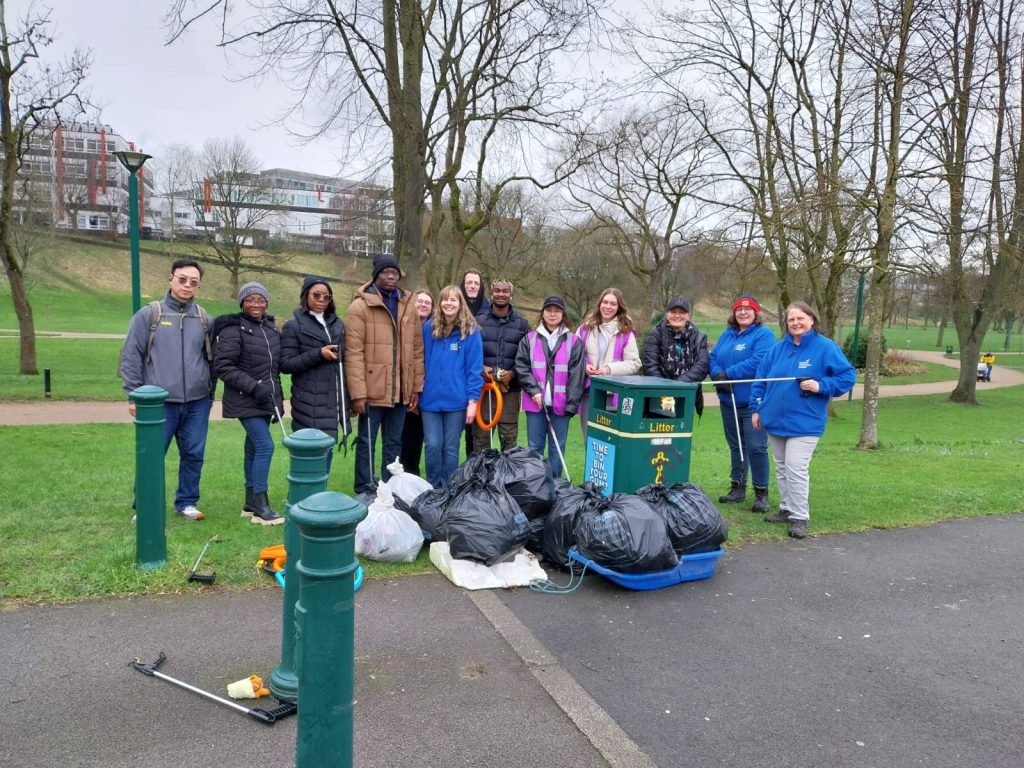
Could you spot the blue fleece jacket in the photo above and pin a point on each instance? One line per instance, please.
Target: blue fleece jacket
(453, 370)
(737, 355)
(783, 411)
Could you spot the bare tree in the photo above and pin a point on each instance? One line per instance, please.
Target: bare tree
(586, 263)
(174, 172)
(30, 93)
(236, 205)
(421, 86)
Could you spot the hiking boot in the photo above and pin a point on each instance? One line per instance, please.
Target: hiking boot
(262, 513)
(760, 500)
(737, 493)
(250, 506)
(797, 528)
(190, 513)
(782, 516)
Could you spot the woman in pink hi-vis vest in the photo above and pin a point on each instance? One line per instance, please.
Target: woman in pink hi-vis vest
(609, 345)
(550, 368)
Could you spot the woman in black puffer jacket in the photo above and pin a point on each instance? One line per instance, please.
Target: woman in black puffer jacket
(313, 351)
(247, 361)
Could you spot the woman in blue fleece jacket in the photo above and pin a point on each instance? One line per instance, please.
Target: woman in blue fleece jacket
(794, 412)
(453, 357)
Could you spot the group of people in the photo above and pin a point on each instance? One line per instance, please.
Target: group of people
(413, 370)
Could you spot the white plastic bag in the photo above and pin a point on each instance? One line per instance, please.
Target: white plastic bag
(469, 574)
(387, 533)
(405, 485)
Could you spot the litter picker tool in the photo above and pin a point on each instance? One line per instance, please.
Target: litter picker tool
(736, 418)
(280, 421)
(554, 439)
(203, 578)
(265, 716)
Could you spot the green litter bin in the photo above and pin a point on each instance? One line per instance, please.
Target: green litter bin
(639, 431)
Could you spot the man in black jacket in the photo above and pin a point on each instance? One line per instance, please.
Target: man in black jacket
(501, 329)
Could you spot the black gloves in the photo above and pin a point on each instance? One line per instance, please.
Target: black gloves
(264, 397)
(723, 389)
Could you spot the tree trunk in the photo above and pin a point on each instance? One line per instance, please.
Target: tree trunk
(27, 364)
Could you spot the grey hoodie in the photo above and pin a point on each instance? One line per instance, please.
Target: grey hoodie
(178, 357)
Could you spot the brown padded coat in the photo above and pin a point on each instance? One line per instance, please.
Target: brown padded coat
(376, 368)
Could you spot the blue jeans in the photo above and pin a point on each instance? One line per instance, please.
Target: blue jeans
(259, 450)
(755, 447)
(442, 437)
(389, 422)
(537, 434)
(186, 424)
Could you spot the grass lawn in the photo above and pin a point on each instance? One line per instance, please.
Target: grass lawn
(65, 493)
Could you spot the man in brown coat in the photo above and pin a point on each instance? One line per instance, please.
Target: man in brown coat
(384, 365)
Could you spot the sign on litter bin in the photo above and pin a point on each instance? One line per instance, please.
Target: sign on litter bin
(639, 431)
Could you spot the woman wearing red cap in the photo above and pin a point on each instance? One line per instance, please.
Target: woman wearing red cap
(736, 355)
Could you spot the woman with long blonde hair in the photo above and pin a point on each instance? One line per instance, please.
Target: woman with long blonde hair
(453, 357)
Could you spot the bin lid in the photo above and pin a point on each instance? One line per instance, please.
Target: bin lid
(642, 382)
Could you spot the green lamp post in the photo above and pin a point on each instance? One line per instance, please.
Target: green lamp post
(134, 161)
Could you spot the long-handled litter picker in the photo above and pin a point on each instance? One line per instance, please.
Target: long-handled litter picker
(736, 418)
(203, 578)
(554, 439)
(280, 421)
(265, 716)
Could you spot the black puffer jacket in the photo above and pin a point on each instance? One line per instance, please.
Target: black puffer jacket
(247, 354)
(316, 382)
(501, 337)
(658, 350)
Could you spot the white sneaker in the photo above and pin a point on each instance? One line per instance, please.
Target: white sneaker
(190, 513)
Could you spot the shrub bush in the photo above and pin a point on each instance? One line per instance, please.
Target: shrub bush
(861, 355)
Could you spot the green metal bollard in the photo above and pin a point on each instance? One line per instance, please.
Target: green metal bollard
(307, 475)
(150, 503)
(325, 629)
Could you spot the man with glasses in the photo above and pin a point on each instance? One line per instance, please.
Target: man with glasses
(168, 346)
(384, 366)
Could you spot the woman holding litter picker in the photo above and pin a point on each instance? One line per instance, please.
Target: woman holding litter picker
(312, 351)
(453, 361)
(800, 373)
(736, 355)
(247, 360)
(550, 367)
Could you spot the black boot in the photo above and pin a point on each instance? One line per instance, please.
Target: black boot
(760, 500)
(263, 514)
(737, 493)
(250, 506)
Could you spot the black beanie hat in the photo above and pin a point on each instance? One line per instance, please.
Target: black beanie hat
(383, 261)
(309, 282)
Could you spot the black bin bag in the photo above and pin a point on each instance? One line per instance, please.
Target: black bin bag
(526, 476)
(626, 536)
(483, 522)
(560, 523)
(477, 465)
(428, 510)
(693, 521)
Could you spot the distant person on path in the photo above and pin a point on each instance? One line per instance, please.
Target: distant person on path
(412, 430)
(550, 368)
(794, 412)
(501, 328)
(988, 360)
(677, 349)
(609, 344)
(453, 359)
(168, 346)
(384, 361)
(312, 351)
(247, 359)
(736, 355)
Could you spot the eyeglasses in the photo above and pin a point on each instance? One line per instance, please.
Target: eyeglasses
(183, 280)
(254, 300)
(424, 303)
(319, 296)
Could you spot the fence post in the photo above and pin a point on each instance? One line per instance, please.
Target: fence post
(307, 474)
(325, 629)
(150, 501)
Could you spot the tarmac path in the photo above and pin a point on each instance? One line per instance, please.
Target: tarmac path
(87, 412)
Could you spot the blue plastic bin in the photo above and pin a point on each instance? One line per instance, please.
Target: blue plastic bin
(690, 568)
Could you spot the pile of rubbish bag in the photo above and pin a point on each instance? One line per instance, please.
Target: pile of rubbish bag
(498, 503)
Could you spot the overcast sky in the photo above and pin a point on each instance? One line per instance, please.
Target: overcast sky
(157, 95)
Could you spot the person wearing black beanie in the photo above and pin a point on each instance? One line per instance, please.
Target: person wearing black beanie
(384, 362)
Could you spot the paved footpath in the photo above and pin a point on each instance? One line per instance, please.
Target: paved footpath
(88, 412)
(877, 650)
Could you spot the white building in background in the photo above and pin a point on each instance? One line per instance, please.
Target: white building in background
(70, 179)
(315, 212)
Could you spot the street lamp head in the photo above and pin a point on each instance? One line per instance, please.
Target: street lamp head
(131, 159)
